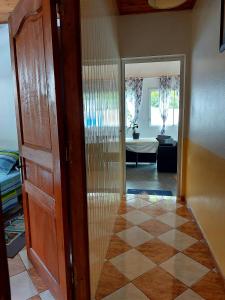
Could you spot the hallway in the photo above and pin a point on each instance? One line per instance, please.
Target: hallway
(158, 252)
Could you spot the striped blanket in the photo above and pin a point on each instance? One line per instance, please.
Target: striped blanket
(10, 189)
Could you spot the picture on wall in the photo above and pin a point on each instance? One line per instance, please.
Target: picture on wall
(222, 27)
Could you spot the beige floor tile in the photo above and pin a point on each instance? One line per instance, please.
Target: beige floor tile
(189, 295)
(15, 265)
(46, 296)
(138, 203)
(136, 217)
(177, 239)
(22, 287)
(128, 292)
(172, 219)
(134, 236)
(185, 269)
(23, 255)
(132, 264)
(170, 205)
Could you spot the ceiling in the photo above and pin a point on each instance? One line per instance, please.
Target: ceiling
(6, 7)
(152, 69)
(127, 7)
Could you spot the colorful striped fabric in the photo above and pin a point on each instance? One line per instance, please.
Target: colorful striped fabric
(10, 189)
(8, 159)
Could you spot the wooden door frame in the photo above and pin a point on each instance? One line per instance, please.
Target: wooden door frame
(70, 18)
(182, 59)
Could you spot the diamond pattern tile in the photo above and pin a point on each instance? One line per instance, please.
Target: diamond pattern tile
(136, 217)
(184, 212)
(155, 227)
(135, 236)
(185, 269)
(132, 264)
(159, 285)
(210, 287)
(177, 239)
(138, 203)
(200, 252)
(111, 280)
(121, 224)
(117, 247)
(157, 251)
(189, 295)
(128, 292)
(191, 229)
(172, 219)
(154, 210)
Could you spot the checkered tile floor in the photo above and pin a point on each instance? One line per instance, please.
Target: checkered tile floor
(24, 281)
(157, 252)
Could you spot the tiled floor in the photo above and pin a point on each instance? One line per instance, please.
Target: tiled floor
(24, 280)
(145, 176)
(157, 252)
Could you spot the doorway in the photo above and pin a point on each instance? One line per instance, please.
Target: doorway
(152, 119)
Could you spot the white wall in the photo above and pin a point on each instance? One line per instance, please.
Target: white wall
(155, 34)
(145, 129)
(8, 132)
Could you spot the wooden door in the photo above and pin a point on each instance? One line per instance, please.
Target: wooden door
(36, 61)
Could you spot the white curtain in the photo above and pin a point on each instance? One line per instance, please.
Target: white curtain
(133, 95)
(167, 84)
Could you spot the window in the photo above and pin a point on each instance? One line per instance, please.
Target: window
(173, 111)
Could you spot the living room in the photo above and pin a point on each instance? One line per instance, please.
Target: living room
(153, 123)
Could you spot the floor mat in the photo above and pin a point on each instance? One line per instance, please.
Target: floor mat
(15, 235)
(149, 192)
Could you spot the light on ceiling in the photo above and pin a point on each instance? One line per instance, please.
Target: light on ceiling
(165, 4)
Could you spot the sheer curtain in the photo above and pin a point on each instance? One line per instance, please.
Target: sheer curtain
(133, 95)
(167, 85)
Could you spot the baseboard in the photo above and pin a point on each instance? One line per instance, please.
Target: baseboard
(210, 249)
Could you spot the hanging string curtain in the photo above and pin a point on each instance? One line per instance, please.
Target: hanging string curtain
(167, 84)
(133, 96)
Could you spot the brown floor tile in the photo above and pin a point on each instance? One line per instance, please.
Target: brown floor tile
(116, 247)
(157, 251)
(37, 281)
(125, 208)
(159, 285)
(210, 287)
(154, 210)
(200, 252)
(191, 229)
(110, 281)
(121, 224)
(184, 212)
(155, 227)
(16, 265)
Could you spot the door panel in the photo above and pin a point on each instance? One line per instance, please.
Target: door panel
(35, 56)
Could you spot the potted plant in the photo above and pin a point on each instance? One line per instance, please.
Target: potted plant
(135, 134)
